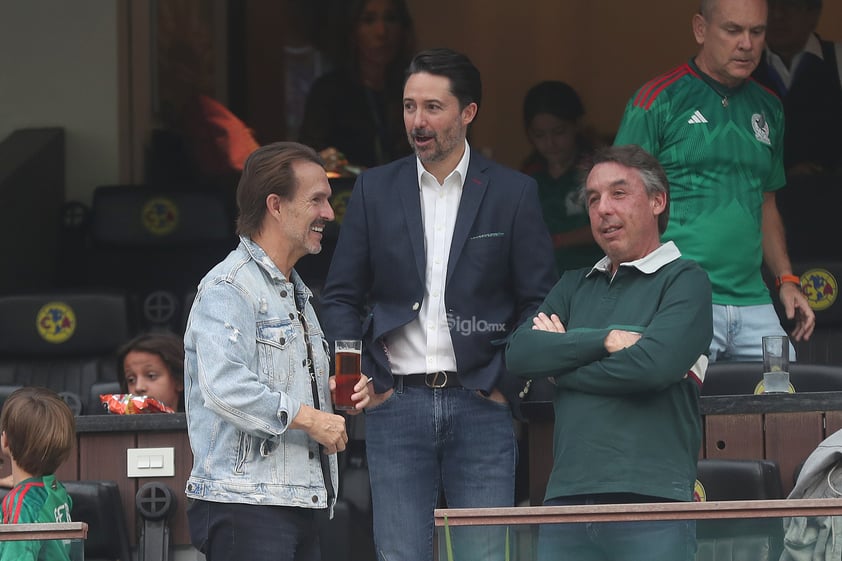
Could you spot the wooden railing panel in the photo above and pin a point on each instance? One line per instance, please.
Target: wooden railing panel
(102, 456)
(540, 460)
(833, 422)
(69, 470)
(733, 437)
(790, 438)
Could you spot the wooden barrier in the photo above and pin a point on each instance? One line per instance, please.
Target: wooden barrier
(784, 428)
(781, 427)
(742, 529)
(713, 510)
(44, 531)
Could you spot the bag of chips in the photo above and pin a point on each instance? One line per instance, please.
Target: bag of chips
(129, 404)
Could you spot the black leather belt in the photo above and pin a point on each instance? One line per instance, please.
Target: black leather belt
(434, 380)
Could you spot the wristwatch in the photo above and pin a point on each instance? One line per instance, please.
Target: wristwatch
(787, 278)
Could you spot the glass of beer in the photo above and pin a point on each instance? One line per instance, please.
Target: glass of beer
(348, 353)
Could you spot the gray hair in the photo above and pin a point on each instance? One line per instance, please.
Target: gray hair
(651, 172)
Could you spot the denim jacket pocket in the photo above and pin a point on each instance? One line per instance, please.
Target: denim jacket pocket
(280, 333)
(281, 354)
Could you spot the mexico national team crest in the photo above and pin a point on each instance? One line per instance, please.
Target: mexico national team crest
(760, 128)
(820, 287)
(56, 322)
(159, 216)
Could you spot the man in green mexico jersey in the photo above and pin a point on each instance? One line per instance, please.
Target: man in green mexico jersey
(719, 136)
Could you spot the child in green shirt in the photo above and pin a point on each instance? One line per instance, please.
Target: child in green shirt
(38, 432)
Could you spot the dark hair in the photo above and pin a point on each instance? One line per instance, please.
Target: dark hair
(267, 171)
(40, 429)
(465, 82)
(168, 346)
(351, 20)
(553, 97)
(650, 170)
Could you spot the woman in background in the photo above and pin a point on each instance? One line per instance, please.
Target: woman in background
(354, 113)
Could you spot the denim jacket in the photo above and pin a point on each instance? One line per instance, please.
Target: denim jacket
(245, 379)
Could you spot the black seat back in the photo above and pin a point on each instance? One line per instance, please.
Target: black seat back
(741, 378)
(156, 244)
(64, 341)
(98, 504)
(737, 480)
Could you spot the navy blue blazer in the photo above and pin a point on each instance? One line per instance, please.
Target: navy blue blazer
(500, 268)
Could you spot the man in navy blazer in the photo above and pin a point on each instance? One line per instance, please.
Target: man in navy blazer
(440, 257)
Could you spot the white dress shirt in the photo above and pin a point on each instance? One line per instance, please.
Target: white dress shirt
(424, 345)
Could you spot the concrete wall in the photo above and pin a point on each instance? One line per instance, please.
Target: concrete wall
(59, 69)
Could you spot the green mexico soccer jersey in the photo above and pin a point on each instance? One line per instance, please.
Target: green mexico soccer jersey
(38, 499)
(722, 150)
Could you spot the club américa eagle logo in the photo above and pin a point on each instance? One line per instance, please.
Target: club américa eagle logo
(820, 287)
(56, 322)
(159, 215)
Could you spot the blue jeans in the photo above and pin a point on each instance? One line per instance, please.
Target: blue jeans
(421, 442)
(233, 532)
(738, 332)
(650, 540)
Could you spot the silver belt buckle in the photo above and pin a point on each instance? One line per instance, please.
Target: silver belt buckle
(431, 379)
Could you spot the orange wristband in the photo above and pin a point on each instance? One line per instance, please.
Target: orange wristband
(787, 278)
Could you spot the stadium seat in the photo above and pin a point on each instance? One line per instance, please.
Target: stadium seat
(741, 378)
(155, 244)
(64, 341)
(742, 539)
(98, 503)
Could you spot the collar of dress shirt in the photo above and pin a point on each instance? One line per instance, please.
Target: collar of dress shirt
(461, 168)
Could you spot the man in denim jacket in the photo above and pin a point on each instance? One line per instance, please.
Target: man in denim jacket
(259, 414)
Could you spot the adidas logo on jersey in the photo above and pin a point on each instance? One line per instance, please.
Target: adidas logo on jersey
(697, 118)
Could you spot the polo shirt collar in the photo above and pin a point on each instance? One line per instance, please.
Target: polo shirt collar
(665, 254)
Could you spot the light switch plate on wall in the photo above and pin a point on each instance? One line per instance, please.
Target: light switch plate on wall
(151, 462)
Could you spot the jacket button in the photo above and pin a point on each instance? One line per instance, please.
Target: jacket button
(291, 315)
(282, 341)
(283, 294)
(315, 498)
(415, 306)
(304, 363)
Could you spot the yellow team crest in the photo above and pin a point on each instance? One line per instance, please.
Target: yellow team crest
(760, 388)
(159, 215)
(820, 287)
(56, 322)
(699, 492)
